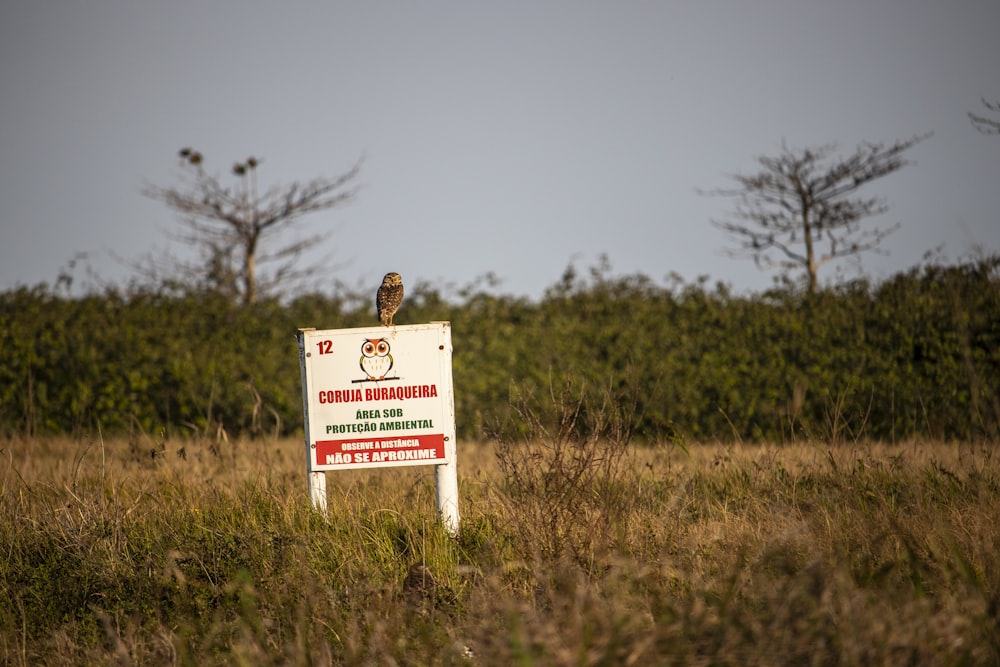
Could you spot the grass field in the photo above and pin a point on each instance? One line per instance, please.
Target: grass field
(202, 552)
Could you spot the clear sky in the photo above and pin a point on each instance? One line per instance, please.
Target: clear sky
(512, 137)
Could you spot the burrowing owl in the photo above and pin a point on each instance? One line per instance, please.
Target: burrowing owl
(423, 592)
(419, 580)
(390, 295)
(419, 588)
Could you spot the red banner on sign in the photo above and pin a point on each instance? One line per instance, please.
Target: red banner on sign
(416, 448)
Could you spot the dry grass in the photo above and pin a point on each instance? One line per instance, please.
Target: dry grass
(204, 552)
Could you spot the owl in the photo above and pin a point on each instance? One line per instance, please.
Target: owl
(424, 593)
(419, 587)
(375, 360)
(390, 295)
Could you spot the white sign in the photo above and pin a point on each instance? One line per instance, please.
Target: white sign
(378, 396)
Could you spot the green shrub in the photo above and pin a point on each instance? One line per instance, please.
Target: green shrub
(915, 355)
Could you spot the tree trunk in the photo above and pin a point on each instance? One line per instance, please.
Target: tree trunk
(250, 273)
(811, 267)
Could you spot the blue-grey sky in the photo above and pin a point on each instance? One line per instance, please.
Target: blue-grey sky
(512, 137)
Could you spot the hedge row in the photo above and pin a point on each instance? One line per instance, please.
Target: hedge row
(917, 355)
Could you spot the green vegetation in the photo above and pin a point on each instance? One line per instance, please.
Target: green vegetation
(152, 510)
(202, 551)
(916, 355)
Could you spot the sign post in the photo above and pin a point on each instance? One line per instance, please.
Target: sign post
(379, 397)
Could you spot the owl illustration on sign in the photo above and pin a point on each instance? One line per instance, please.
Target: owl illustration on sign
(376, 361)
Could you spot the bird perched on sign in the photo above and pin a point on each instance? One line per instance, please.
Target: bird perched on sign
(390, 295)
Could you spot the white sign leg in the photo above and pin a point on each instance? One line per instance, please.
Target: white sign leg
(446, 477)
(317, 490)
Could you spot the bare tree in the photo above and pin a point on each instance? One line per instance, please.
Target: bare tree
(801, 209)
(232, 225)
(985, 124)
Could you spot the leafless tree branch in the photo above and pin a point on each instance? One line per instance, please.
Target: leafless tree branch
(231, 225)
(801, 210)
(985, 124)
